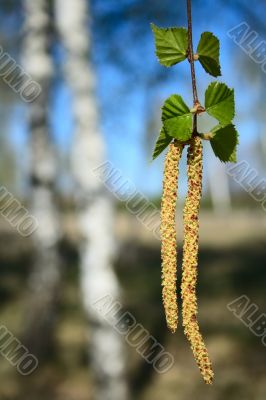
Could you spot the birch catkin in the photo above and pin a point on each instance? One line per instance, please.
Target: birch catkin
(180, 123)
(168, 234)
(190, 260)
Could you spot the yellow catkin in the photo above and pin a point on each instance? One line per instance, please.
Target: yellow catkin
(190, 260)
(168, 234)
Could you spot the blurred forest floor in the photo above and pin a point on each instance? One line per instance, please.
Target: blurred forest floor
(232, 263)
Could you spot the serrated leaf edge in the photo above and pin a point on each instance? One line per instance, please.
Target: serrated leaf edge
(156, 143)
(217, 128)
(207, 108)
(153, 28)
(217, 63)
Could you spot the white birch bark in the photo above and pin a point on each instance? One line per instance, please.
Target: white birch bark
(95, 206)
(45, 277)
(218, 181)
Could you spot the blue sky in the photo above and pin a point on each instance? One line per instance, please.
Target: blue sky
(123, 113)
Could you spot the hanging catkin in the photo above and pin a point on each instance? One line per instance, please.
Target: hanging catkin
(190, 260)
(180, 124)
(168, 234)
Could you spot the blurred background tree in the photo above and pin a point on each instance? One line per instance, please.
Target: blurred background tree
(94, 204)
(44, 281)
(102, 89)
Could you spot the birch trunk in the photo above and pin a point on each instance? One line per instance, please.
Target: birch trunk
(45, 277)
(219, 186)
(95, 208)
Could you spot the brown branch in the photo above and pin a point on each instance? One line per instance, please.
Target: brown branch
(191, 60)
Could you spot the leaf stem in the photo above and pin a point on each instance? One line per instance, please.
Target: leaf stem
(206, 136)
(191, 60)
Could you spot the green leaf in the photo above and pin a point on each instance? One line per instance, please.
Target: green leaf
(224, 142)
(220, 102)
(177, 118)
(162, 142)
(209, 53)
(171, 44)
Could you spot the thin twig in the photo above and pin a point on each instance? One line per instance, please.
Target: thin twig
(191, 60)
